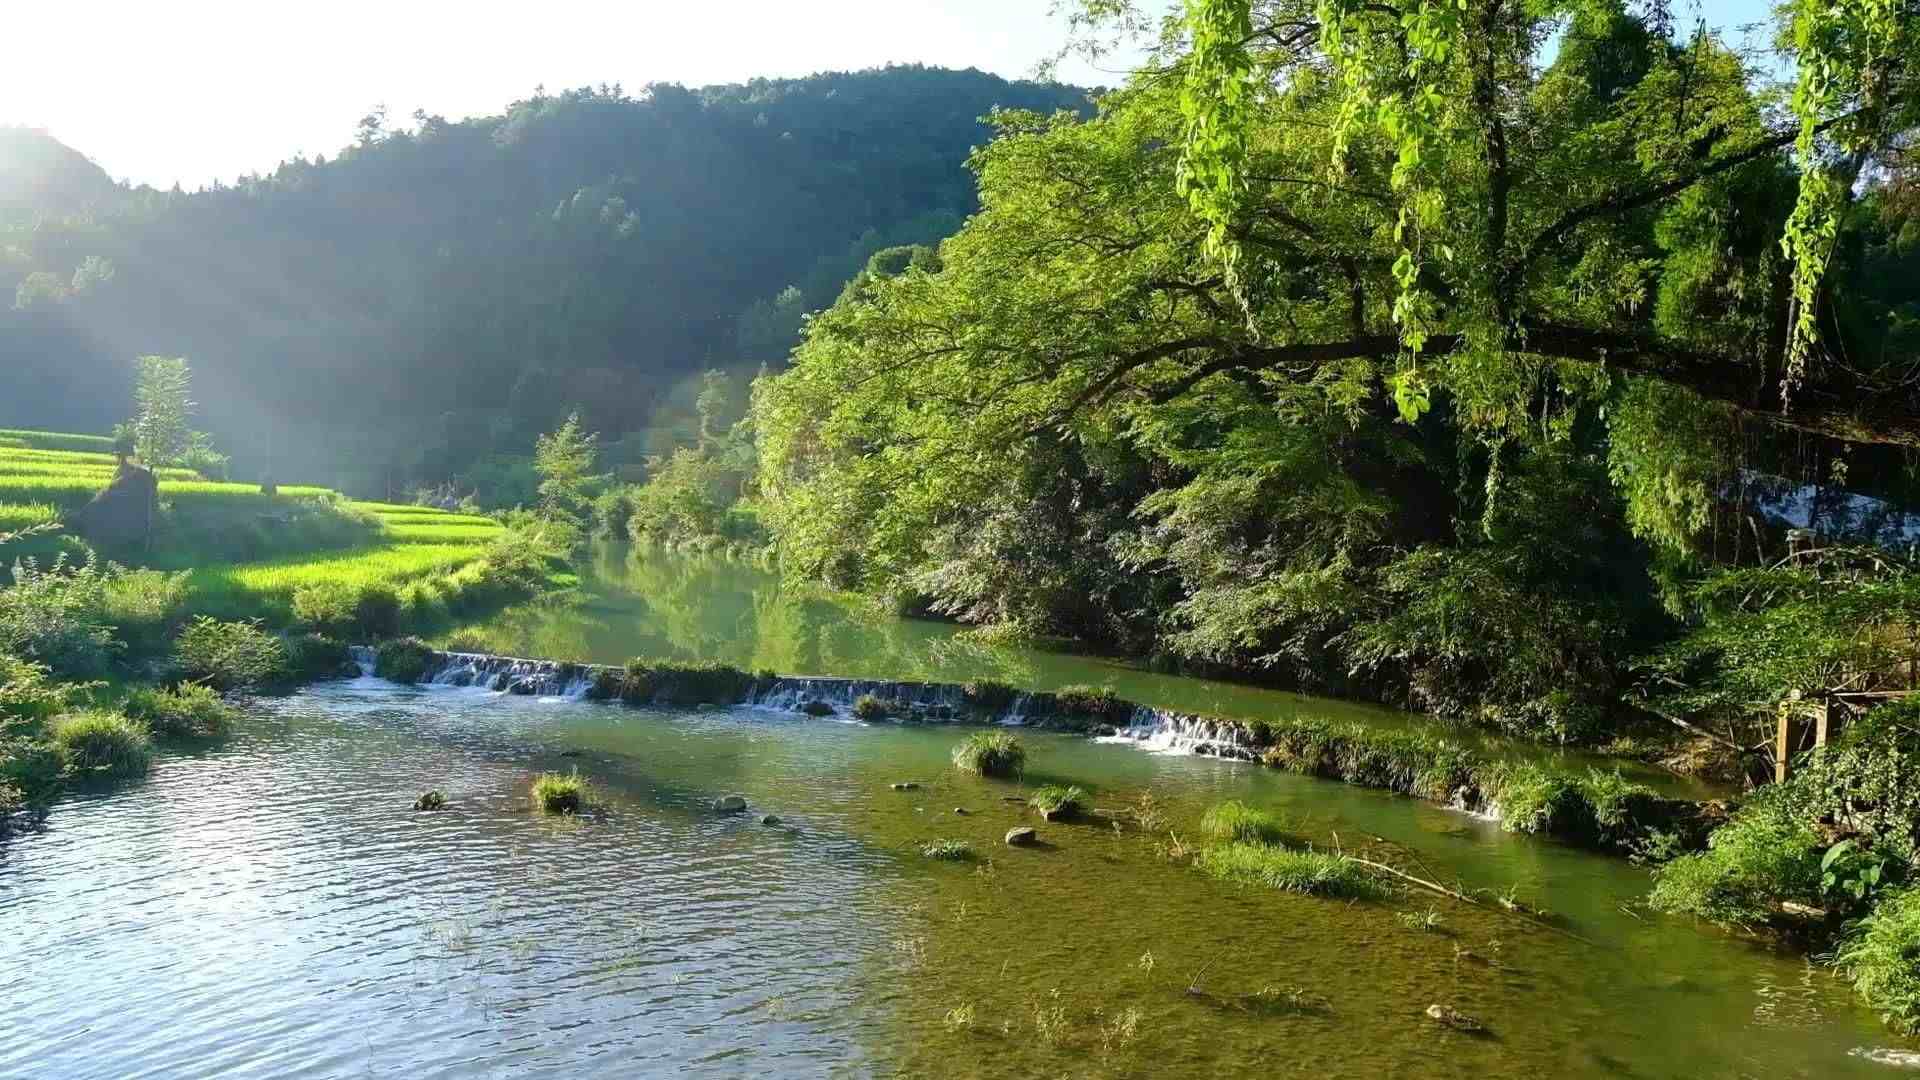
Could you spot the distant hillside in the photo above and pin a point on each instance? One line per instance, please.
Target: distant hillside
(459, 285)
(39, 174)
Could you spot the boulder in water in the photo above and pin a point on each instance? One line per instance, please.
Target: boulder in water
(1022, 836)
(431, 800)
(770, 819)
(730, 804)
(502, 681)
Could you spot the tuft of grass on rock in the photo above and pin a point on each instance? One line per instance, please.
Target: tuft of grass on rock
(1057, 802)
(1313, 873)
(988, 694)
(191, 710)
(430, 800)
(402, 660)
(1234, 820)
(950, 850)
(105, 743)
(872, 709)
(554, 793)
(990, 753)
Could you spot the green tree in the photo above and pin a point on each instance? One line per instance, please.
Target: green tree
(162, 398)
(564, 460)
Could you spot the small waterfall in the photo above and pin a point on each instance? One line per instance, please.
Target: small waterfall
(910, 701)
(498, 674)
(1163, 731)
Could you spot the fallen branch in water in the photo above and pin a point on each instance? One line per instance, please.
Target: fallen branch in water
(1455, 894)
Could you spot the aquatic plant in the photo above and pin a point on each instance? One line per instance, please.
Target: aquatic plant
(402, 660)
(1058, 802)
(190, 710)
(872, 709)
(430, 800)
(990, 753)
(1428, 921)
(959, 1018)
(558, 794)
(952, 850)
(1881, 955)
(1236, 821)
(1315, 873)
(104, 742)
(316, 656)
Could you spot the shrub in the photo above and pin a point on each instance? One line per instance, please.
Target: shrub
(1765, 854)
(231, 655)
(988, 694)
(313, 656)
(872, 709)
(557, 794)
(1881, 954)
(144, 607)
(990, 753)
(188, 711)
(403, 660)
(951, 850)
(31, 763)
(1314, 873)
(104, 742)
(326, 606)
(1059, 803)
(57, 616)
(1868, 779)
(1235, 821)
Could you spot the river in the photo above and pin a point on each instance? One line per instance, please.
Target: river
(272, 906)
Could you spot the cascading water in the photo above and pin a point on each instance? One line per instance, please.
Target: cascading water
(1163, 731)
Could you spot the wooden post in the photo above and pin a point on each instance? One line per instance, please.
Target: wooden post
(1820, 722)
(1782, 747)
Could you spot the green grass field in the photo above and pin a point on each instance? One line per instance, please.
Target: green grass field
(418, 551)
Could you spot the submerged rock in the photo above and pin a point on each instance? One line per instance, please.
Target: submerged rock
(1022, 836)
(502, 681)
(432, 800)
(770, 819)
(1897, 1059)
(1451, 1017)
(730, 804)
(961, 810)
(908, 785)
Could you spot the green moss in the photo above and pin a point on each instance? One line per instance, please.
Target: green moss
(676, 682)
(554, 793)
(190, 710)
(1313, 873)
(990, 753)
(1091, 702)
(105, 743)
(1235, 821)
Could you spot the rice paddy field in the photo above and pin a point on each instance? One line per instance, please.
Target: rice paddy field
(45, 475)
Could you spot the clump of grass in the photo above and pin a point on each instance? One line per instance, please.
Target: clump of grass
(871, 709)
(1058, 802)
(554, 793)
(403, 660)
(959, 1018)
(314, 656)
(231, 655)
(1234, 820)
(191, 710)
(104, 742)
(1090, 704)
(1314, 873)
(988, 694)
(950, 850)
(1881, 955)
(1429, 921)
(990, 753)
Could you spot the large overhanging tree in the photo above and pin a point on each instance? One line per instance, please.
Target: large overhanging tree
(1480, 211)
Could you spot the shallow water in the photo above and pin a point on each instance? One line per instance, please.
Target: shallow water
(652, 603)
(272, 907)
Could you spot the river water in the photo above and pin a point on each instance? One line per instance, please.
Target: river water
(273, 907)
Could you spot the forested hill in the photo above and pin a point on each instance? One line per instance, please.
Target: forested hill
(460, 284)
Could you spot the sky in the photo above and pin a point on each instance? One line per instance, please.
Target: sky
(197, 90)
